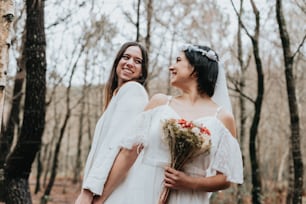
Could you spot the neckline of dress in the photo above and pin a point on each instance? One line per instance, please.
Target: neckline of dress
(202, 117)
(196, 119)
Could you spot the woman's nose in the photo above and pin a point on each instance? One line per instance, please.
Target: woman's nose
(130, 62)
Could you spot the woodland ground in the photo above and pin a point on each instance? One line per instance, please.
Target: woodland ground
(65, 192)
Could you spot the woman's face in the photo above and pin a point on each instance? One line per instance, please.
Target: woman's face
(180, 71)
(130, 65)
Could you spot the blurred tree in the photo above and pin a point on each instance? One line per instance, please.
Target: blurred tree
(137, 21)
(11, 127)
(256, 173)
(19, 162)
(84, 96)
(67, 115)
(149, 10)
(239, 87)
(295, 194)
(7, 16)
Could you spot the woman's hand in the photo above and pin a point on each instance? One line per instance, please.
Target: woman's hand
(178, 180)
(98, 199)
(85, 197)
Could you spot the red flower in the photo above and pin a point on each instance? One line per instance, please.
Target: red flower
(189, 125)
(181, 121)
(205, 130)
(185, 124)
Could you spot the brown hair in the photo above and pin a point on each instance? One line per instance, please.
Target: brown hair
(112, 82)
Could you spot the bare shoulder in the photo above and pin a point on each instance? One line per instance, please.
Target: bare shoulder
(228, 121)
(157, 100)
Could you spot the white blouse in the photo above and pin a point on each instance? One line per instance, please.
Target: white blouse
(110, 130)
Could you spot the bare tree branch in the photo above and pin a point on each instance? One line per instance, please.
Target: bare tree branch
(300, 46)
(240, 21)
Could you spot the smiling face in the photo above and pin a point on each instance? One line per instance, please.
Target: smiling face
(180, 71)
(130, 65)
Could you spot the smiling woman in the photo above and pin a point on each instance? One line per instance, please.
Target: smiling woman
(129, 50)
(125, 98)
(129, 66)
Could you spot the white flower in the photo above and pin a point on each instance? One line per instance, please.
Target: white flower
(196, 130)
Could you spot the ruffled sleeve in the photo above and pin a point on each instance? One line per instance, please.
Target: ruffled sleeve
(112, 127)
(227, 158)
(138, 131)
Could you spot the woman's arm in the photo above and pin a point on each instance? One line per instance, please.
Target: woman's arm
(85, 197)
(123, 162)
(179, 180)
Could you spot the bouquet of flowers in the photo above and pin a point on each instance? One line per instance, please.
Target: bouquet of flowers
(186, 140)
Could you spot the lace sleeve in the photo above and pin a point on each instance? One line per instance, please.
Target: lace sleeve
(227, 158)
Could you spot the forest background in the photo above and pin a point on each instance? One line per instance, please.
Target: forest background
(53, 91)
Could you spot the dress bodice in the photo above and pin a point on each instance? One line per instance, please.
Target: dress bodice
(156, 152)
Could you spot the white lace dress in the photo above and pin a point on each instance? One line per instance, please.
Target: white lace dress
(145, 179)
(110, 129)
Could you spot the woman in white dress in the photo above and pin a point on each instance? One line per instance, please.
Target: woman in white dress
(204, 99)
(125, 98)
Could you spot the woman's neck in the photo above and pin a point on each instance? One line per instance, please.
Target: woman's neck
(120, 84)
(193, 97)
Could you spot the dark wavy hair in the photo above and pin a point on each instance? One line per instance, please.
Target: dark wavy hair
(205, 69)
(112, 82)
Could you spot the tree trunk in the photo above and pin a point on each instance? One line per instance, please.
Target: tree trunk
(242, 102)
(44, 198)
(89, 121)
(256, 175)
(39, 172)
(149, 20)
(7, 15)
(20, 191)
(19, 163)
(170, 62)
(293, 108)
(290, 178)
(137, 22)
(6, 18)
(48, 160)
(78, 162)
(12, 127)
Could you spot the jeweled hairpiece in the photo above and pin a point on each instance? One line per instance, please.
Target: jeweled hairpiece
(209, 54)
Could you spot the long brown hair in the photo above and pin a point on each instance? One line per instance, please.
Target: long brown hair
(112, 82)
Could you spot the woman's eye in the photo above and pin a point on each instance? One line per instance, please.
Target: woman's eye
(138, 61)
(125, 57)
